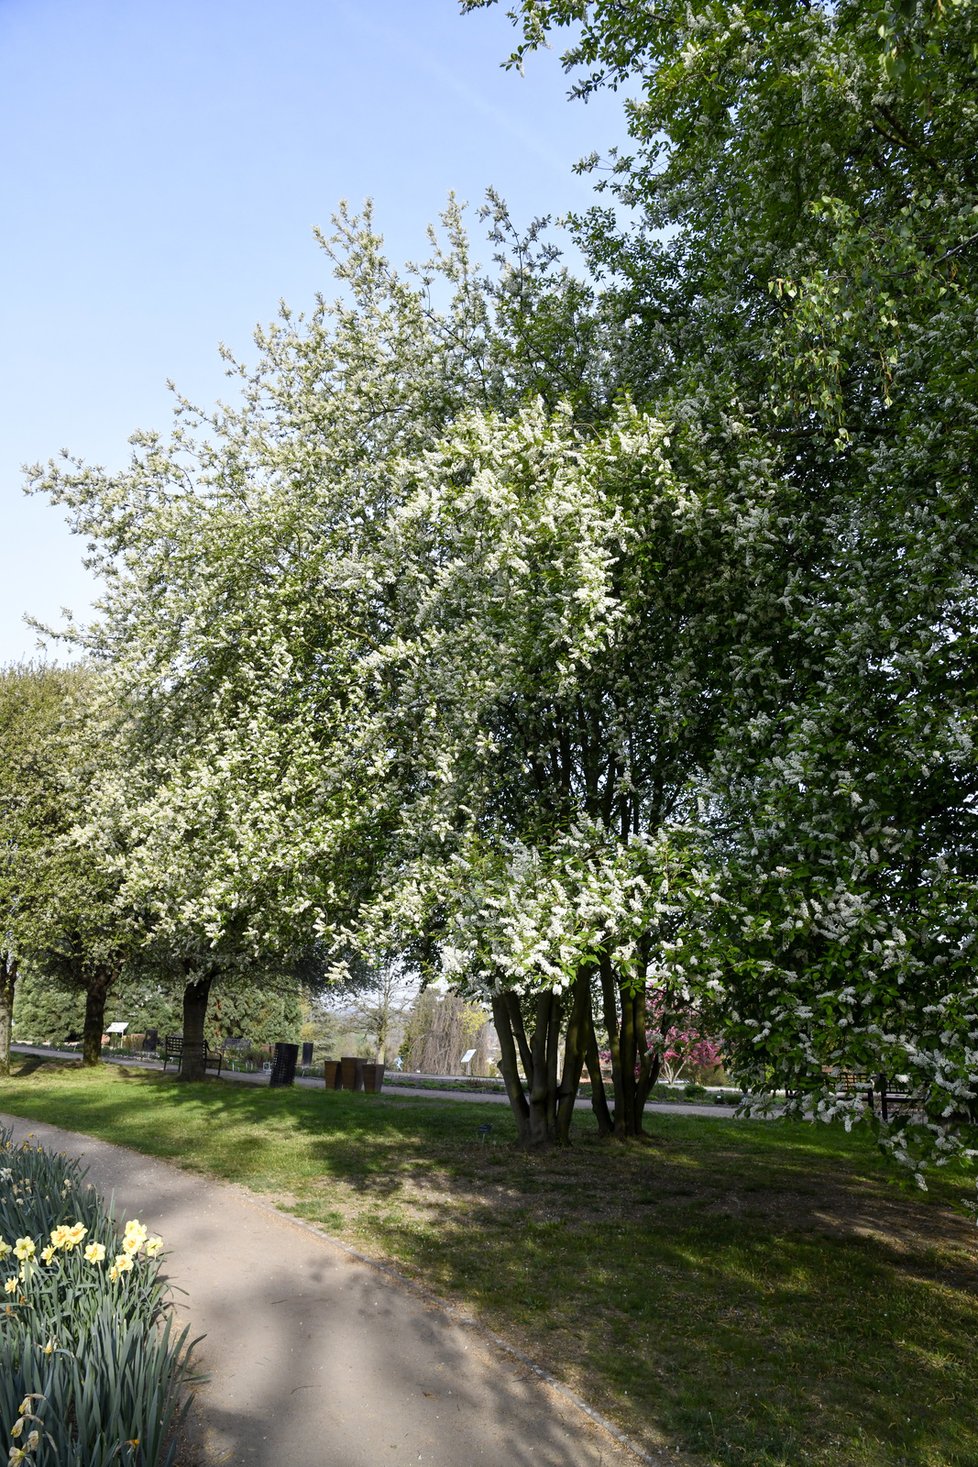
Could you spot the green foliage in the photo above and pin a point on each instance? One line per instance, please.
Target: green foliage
(263, 1015)
(45, 1013)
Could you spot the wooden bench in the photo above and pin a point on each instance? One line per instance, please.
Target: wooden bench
(173, 1050)
(879, 1093)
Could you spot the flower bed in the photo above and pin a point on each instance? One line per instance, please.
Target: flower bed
(92, 1371)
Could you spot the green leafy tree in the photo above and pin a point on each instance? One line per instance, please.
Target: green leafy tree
(45, 1013)
(61, 882)
(32, 813)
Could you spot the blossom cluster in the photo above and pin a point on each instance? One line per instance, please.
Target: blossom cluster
(64, 1239)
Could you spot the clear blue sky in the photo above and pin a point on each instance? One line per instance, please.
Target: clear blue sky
(163, 167)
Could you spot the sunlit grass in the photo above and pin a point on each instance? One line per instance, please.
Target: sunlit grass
(760, 1295)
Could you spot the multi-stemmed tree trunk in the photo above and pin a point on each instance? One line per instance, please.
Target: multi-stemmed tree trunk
(543, 1089)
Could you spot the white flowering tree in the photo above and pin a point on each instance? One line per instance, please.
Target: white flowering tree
(422, 647)
(814, 165)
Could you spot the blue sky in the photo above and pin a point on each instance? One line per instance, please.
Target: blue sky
(164, 166)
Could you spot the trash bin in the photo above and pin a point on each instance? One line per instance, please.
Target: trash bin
(306, 1053)
(351, 1073)
(283, 1065)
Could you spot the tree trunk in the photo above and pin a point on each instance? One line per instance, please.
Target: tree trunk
(8, 982)
(509, 1063)
(195, 996)
(599, 1100)
(532, 1095)
(575, 1044)
(96, 993)
(628, 1048)
(543, 1100)
(650, 1060)
(609, 1000)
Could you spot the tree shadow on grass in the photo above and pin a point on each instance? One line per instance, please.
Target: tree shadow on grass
(764, 1294)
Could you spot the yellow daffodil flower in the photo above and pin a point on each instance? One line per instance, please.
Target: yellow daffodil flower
(24, 1248)
(47, 1253)
(153, 1246)
(10, 1287)
(135, 1236)
(95, 1253)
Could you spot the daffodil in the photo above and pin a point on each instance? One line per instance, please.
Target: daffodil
(123, 1264)
(153, 1246)
(24, 1248)
(59, 1236)
(74, 1235)
(47, 1253)
(135, 1236)
(10, 1287)
(95, 1253)
(4, 1248)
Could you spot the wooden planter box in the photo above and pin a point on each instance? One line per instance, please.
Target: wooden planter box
(373, 1077)
(351, 1073)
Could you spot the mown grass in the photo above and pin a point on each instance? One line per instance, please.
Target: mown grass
(754, 1295)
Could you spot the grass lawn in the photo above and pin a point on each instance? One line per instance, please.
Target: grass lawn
(756, 1295)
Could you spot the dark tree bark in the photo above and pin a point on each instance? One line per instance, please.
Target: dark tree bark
(609, 1007)
(542, 1096)
(8, 982)
(575, 1046)
(599, 1100)
(634, 1064)
(195, 996)
(96, 994)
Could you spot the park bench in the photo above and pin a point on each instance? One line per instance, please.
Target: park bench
(890, 1095)
(173, 1050)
